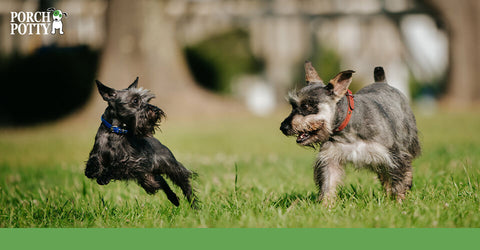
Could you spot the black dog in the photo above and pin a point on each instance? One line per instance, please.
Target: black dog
(125, 148)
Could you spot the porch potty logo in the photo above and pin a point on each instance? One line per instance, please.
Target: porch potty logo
(37, 23)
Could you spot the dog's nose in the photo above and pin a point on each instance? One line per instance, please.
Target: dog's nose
(286, 127)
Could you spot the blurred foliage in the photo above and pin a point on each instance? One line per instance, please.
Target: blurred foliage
(216, 61)
(434, 88)
(327, 62)
(45, 85)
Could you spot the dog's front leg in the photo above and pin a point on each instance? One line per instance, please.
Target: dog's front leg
(328, 173)
(95, 170)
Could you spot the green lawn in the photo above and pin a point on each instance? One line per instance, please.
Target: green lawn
(250, 175)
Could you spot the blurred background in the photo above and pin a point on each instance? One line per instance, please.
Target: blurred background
(214, 57)
(221, 70)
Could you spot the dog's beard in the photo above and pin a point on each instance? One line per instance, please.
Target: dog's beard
(312, 138)
(311, 132)
(147, 122)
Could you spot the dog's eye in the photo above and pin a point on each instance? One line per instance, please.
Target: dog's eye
(305, 106)
(135, 101)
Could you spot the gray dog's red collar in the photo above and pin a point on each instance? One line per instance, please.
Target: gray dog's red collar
(351, 107)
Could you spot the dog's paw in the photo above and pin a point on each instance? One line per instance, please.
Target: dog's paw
(103, 181)
(327, 201)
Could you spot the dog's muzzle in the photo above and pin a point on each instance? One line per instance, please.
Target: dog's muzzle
(286, 127)
(154, 113)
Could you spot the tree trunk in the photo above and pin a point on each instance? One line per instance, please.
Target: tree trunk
(463, 24)
(140, 41)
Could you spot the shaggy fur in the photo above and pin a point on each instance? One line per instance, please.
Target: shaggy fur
(136, 155)
(381, 135)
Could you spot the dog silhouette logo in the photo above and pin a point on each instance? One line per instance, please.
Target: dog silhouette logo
(57, 20)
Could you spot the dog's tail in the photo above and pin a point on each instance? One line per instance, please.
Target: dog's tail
(379, 74)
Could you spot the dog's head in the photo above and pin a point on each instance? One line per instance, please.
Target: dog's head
(57, 14)
(313, 107)
(131, 108)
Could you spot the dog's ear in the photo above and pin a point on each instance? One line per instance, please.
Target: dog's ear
(339, 84)
(107, 93)
(311, 75)
(134, 84)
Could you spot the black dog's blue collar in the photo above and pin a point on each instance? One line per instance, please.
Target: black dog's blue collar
(114, 129)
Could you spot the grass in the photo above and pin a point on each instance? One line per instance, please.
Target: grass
(249, 176)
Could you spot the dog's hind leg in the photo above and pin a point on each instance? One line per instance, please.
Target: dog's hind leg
(153, 184)
(181, 177)
(401, 182)
(385, 180)
(401, 176)
(172, 197)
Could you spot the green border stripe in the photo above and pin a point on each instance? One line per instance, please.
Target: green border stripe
(238, 238)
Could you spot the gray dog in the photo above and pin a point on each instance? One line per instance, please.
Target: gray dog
(376, 129)
(125, 148)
